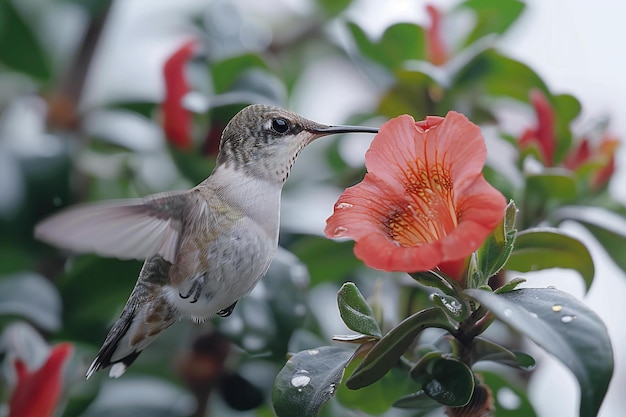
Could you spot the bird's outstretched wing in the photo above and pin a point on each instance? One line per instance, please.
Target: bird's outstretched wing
(125, 229)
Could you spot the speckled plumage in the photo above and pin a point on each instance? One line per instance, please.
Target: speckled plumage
(204, 248)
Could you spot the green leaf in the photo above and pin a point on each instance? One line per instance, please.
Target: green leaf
(308, 380)
(497, 75)
(434, 280)
(452, 306)
(510, 400)
(377, 398)
(446, 380)
(492, 16)
(496, 249)
(412, 94)
(32, 296)
(226, 72)
(334, 7)
(94, 290)
(339, 259)
(19, 47)
(566, 108)
(400, 42)
(511, 285)
(554, 184)
(485, 350)
(543, 248)
(606, 226)
(386, 353)
(355, 312)
(565, 328)
(417, 401)
(451, 383)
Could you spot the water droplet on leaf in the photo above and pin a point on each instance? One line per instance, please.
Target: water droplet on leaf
(568, 319)
(300, 379)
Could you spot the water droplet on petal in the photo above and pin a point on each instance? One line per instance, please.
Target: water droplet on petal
(508, 312)
(300, 379)
(556, 308)
(331, 389)
(568, 319)
(313, 351)
(343, 206)
(339, 231)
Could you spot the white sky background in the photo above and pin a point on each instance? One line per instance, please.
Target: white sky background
(575, 46)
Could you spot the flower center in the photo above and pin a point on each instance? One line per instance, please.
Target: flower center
(428, 213)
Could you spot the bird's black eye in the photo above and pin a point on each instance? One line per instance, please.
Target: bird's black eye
(280, 125)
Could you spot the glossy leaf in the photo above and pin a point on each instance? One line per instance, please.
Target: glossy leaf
(486, 350)
(452, 306)
(434, 280)
(386, 353)
(308, 380)
(355, 312)
(607, 227)
(496, 249)
(492, 16)
(543, 248)
(417, 401)
(564, 327)
(511, 285)
(33, 297)
(448, 381)
(421, 370)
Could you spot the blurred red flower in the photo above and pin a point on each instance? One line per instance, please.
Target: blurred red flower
(543, 135)
(37, 392)
(424, 202)
(435, 46)
(602, 155)
(176, 119)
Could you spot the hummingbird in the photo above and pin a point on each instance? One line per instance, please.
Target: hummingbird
(204, 248)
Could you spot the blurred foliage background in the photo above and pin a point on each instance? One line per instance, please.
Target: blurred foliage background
(82, 118)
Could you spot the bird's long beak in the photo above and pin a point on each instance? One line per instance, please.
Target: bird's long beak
(331, 130)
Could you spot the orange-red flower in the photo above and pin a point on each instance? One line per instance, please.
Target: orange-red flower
(424, 202)
(37, 392)
(176, 119)
(543, 135)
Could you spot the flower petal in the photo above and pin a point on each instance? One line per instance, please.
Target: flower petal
(37, 393)
(177, 119)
